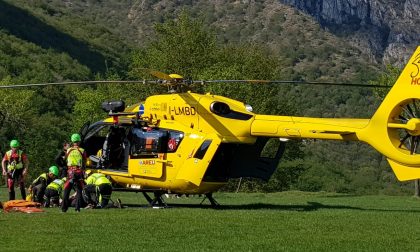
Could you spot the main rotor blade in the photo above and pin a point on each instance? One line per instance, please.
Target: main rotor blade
(164, 76)
(156, 73)
(77, 83)
(161, 75)
(294, 82)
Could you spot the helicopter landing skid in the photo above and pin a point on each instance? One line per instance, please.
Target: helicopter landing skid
(213, 202)
(157, 201)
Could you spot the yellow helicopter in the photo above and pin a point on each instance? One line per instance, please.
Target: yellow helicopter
(189, 143)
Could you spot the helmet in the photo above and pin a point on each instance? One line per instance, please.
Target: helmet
(88, 172)
(14, 143)
(54, 170)
(176, 76)
(76, 138)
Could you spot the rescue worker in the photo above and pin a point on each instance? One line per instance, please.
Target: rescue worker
(60, 160)
(53, 192)
(76, 158)
(38, 186)
(15, 167)
(98, 190)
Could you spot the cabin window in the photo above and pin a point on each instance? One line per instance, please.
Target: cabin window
(148, 141)
(202, 150)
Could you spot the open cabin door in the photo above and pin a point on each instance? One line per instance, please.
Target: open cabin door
(107, 145)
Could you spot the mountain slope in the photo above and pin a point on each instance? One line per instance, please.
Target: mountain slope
(386, 30)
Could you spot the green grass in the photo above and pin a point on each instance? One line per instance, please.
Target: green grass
(288, 221)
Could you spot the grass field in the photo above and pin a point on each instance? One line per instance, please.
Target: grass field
(287, 221)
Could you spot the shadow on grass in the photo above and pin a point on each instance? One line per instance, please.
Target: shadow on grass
(310, 206)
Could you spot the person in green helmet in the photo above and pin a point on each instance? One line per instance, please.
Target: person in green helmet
(76, 158)
(38, 186)
(15, 167)
(54, 192)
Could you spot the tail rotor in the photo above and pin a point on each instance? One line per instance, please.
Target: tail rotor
(404, 125)
(410, 138)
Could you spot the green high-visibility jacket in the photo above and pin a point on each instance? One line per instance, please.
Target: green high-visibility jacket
(97, 179)
(57, 184)
(42, 179)
(75, 156)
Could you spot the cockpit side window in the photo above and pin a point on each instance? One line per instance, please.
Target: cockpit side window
(95, 137)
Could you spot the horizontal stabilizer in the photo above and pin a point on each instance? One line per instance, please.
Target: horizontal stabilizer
(404, 172)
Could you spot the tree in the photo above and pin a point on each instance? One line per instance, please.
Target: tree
(387, 78)
(182, 46)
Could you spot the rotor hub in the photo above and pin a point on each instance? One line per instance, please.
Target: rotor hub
(413, 126)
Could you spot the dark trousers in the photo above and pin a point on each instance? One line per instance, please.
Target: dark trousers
(103, 193)
(98, 196)
(38, 192)
(89, 195)
(13, 177)
(51, 196)
(63, 172)
(74, 180)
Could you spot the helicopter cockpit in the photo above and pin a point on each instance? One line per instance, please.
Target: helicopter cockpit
(110, 146)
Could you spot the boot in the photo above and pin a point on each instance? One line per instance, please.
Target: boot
(12, 195)
(23, 192)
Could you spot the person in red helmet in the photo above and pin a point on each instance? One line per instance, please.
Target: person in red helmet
(15, 167)
(76, 158)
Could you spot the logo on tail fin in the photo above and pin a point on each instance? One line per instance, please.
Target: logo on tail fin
(415, 80)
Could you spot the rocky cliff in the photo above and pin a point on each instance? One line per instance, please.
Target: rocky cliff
(383, 29)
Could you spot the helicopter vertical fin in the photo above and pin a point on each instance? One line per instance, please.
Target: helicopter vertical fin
(394, 129)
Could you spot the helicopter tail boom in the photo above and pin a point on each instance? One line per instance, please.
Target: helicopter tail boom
(305, 127)
(394, 129)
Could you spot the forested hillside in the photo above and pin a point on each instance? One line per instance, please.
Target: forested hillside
(81, 40)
